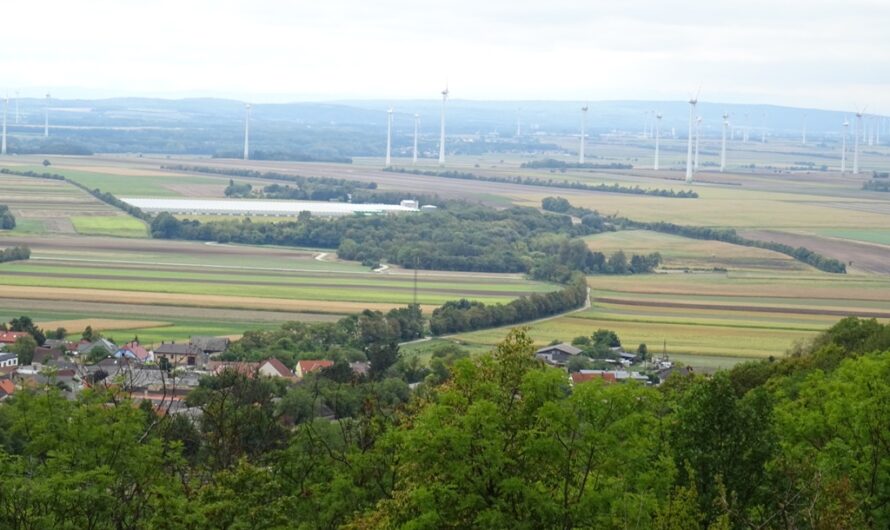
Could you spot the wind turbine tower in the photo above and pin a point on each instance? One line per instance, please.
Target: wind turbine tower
(442, 131)
(16, 107)
(416, 130)
(388, 138)
(247, 131)
(803, 139)
(583, 133)
(697, 135)
(3, 142)
(46, 117)
(723, 143)
(745, 129)
(878, 130)
(856, 129)
(692, 102)
(518, 122)
(657, 137)
(763, 130)
(844, 147)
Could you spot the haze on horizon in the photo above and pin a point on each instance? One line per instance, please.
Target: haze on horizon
(789, 52)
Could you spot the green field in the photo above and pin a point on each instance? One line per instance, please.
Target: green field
(112, 225)
(735, 315)
(127, 182)
(765, 303)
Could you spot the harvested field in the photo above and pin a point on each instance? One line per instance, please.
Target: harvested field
(863, 257)
(684, 253)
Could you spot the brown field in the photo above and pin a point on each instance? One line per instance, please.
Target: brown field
(190, 300)
(136, 310)
(863, 257)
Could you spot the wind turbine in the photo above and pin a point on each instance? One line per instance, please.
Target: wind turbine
(46, 117)
(416, 129)
(763, 130)
(697, 135)
(3, 142)
(388, 138)
(878, 130)
(583, 133)
(803, 140)
(693, 101)
(246, 131)
(856, 142)
(745, 129)
(657, 137)
(442, 132)
(723, 143)
(16, 107)
(519, 122)
(844, 147)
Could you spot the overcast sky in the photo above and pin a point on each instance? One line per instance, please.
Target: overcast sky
(824, 54)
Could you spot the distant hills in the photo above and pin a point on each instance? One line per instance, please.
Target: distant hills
(357, 128)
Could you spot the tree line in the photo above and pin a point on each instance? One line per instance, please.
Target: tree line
(103, 196)
(461, 237)
(303, 183)
(7, 220)
(876, 185)
(727, 235)
(16, 253)
(550, 183)
(493, 441)
(552, 163)
(468, 315)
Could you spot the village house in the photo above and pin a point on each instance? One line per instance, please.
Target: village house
(7, 388)
(85, 346)
(9, 337)
(8, 360)
(274, 368)
(181, 354)
(210, 345)
(133, 350)
(307, 367)
(557, 354)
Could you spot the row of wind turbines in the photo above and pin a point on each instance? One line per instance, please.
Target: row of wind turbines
(389, 116)
(17, 119)
(692, 149)
(695, 133)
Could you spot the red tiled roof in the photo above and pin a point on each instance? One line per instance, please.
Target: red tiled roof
(137, 350)
(578, 377)
(243, 368)
(7, 386)
(279, 367)
(311, 366)
(9, 337)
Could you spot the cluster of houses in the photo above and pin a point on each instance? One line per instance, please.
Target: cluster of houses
(163, 374)
(559, 355)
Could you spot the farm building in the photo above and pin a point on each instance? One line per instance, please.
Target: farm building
(558, 354)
